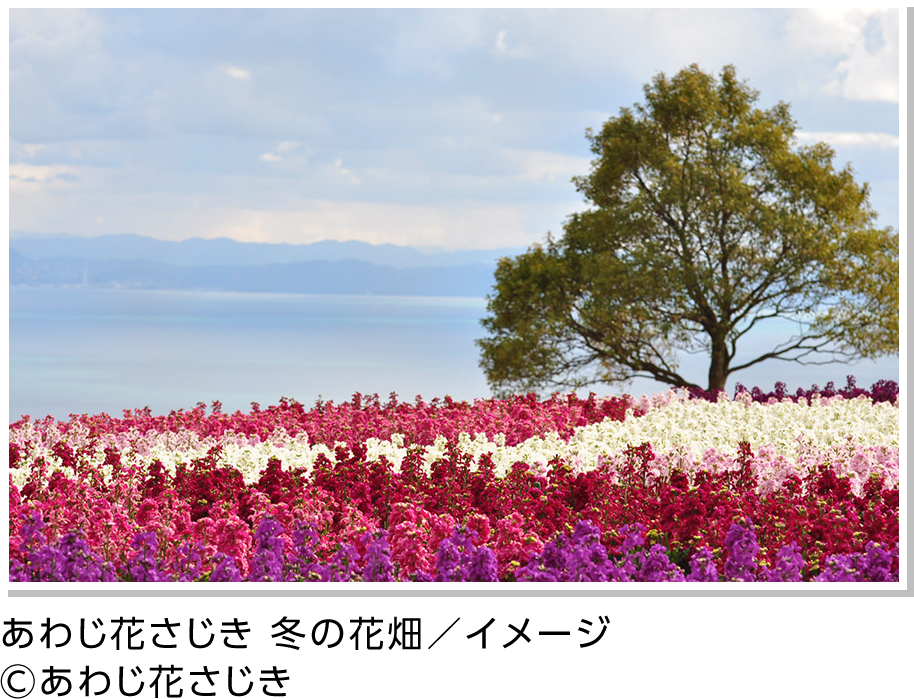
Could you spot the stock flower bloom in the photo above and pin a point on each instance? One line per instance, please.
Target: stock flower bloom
(483, 566)
(657, 567)
(875, 565)
(789, 565)
(460, 560)
(143, 565)
(343, 567)
(188, 561)
(289, 494)
(377, 566)
(224, 569)
(840, 568)
(67, 560)
(702, 566)
(267, 563)
(743, 548)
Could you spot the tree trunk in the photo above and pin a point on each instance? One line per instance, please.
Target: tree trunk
(720, 365)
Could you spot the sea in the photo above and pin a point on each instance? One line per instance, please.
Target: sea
(78, 350)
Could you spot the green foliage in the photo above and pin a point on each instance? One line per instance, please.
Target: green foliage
(707, 219)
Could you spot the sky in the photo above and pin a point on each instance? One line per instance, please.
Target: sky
(455, 129)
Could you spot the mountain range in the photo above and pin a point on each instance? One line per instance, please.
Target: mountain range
(333, 267)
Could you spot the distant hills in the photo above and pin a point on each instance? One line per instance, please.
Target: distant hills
(333, 267)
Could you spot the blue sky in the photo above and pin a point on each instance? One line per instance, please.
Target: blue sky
(459, 129)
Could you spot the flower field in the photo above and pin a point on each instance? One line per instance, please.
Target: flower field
(680, 486)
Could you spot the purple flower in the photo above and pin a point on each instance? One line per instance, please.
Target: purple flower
(585, 533)
(555, 553)
(551, 565)
(303, 563)
(657, 567)
(633, 536)
(33, 540)
(80, 563)
(67, 560)
(342, 567)
(267, 562)
(536, 571)
(702, 566)
(788, 566)
(876, 564)
(587, 560)
(188, 561)
(32, 532)
(224, 569)
(840, 568)
(628, 568)
(743, 548)
(484, 566)
(460, 560)
(142, 565)
(582, 558)
(377, 565)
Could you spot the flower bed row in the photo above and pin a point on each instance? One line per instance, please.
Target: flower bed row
(816, 478)
(578, 558)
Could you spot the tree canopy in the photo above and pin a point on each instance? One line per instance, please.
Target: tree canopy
(707, 220)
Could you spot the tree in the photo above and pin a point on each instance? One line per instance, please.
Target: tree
(707, 220)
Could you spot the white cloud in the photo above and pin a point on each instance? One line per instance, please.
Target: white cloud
(865, 44)
(345, 173)
(471, 226)
(502, 48)
(500, 42)
(639, 43)
(282, 147)
(174, 217)
(465, 125)
(540, 165)
(237, 73)
(25, 177)
(850, 138)
(58, 64)
(852, 53)
(31, 148)
(824, 30)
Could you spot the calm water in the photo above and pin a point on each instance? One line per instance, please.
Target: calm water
(86, 351)
(74, 351)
